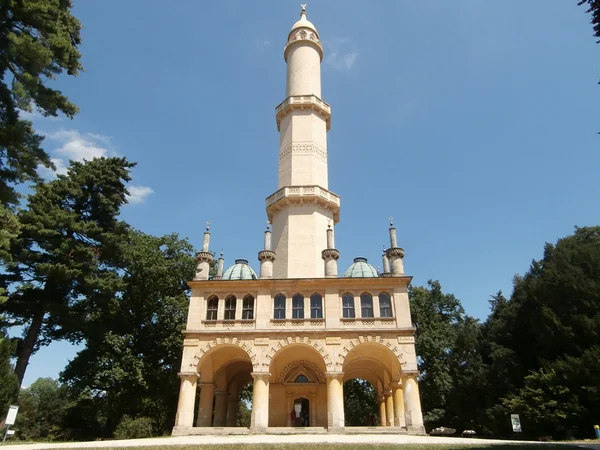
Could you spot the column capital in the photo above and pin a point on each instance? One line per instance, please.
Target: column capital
(387, 392)
(396, 384)
(264, 376)
(206, 383)
(188, 375)
(334, 375)
(410, 376)
(221, 393)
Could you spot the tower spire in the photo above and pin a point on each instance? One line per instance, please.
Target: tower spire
(302, 206)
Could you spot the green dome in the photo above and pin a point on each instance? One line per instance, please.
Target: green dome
(361, 269)
(240, 271)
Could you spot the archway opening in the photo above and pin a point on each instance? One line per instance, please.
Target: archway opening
(301, 412)
(360, 403)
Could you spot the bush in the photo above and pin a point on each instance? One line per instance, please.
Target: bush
(130, 428)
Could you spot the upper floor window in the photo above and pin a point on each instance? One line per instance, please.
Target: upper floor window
(366, 305)
(298, 306)
(301, 379)
(230, 307)
(248, 308)
(316, 306)
(279, 307)
(348, 306)
(385, 305)
(212, 306)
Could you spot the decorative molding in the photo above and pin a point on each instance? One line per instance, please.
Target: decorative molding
(351, 343)
(306, 368)
(303, 149)
(246, 347)
(282, 343)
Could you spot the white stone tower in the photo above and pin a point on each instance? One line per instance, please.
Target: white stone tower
(302, 207)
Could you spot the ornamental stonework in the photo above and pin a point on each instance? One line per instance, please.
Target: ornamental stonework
(303, 149)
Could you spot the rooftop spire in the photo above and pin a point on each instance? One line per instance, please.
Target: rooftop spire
(303, 12)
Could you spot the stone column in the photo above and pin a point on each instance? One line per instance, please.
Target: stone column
(220, 409)
(232, 410)
(412, 405)
(187, 397)
(205, 409)
(382, 415)
(389, 413)
(335, 401)
(260, 402)
(290, 405)
(398, 394)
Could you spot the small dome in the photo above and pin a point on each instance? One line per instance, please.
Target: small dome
(361, 269)
(240, 271)
(304, 23)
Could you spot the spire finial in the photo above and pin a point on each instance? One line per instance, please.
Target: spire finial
(303, 12)
(221, 253)
(391, 221)
(268, 225)
(207, 226)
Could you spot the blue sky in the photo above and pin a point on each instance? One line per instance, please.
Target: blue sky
(474, 124)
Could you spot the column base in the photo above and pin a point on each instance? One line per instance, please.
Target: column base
(258, 430)
(336, 430)
(420, 430)
(181, 431)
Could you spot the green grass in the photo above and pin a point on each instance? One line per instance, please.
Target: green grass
(303, 446)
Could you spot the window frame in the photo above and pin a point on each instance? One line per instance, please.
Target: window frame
(385, 311)
(346, 310)
(279, 309)
(212, 307)
(298, 306)
(248, 307)
(366, 311)
(316, 312)
(229, 311)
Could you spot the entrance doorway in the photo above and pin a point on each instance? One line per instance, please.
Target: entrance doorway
(301, 412)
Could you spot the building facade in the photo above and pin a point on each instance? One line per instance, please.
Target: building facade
(298, 330)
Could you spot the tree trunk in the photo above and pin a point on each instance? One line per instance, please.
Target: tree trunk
(26, 349)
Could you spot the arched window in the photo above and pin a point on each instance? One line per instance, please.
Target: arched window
(248, 308)
(230, 307)
(298, 306)
(348, 306)
(316, 306)
(301, 379)
(366, 305)
(212, 306)
(385, 305)
(279, 307)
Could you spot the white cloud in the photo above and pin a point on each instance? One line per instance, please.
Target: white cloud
(76, 146)
(339, 56)
(34, 115)
(138, 194)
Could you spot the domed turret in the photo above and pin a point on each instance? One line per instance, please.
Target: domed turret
(240, 271)
(304, 22)
(360, 268)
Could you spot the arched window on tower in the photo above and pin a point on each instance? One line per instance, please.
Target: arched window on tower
(248, 308)
(385, 305)
(230, 307)
(348, 306)
(212, 306)
(298, 306)
(316, 306)
(279, 307)
(366, 305)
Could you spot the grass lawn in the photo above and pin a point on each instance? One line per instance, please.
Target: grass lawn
(303, 446)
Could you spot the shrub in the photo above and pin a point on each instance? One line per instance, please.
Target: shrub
(134, 428)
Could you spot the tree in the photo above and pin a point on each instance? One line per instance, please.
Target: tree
(9, 386)
(449, 362)
(360, 403)
(41, 409)
(594, 10)
(63, 257)
(38, 41)
(133, 339)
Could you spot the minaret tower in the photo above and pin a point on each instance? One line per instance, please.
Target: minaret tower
(302, 207)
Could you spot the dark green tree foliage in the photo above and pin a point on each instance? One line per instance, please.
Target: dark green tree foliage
(133, 339)
(545, 340)
(62, 260)
(360, 403)
(593, 8)
(449, 363)
(38, 41)
(9, 386)
(41, 409)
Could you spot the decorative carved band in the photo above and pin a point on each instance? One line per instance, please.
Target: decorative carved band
(266, 255)
(303, 149)
(330, 253)
(204, 256)
(395, 252)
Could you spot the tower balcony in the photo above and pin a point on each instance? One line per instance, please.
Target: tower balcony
(300, 102)
(302, 195)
